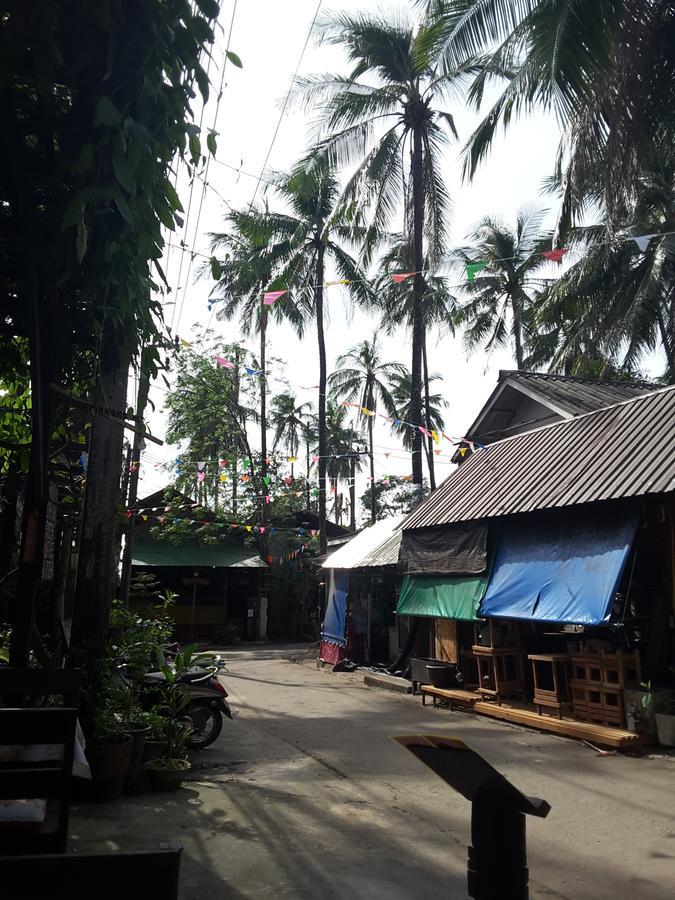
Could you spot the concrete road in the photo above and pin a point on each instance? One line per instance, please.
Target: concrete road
(306, 796)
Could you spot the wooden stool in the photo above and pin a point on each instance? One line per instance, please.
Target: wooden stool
(550, 677)
(500, 671)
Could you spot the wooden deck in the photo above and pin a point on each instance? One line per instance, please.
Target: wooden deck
(603, 735)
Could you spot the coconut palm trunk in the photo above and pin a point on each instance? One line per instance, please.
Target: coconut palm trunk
(427, 416)
(371, 452)
(323, 375)
(418, 298)
(263, 415)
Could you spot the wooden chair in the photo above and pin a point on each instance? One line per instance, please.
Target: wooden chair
(82, 876)
(33, 687)
(36, 784)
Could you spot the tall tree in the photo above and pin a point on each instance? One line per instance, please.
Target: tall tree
(288, 419)
(296, 247)
(384, 117)
(344, 458)
(363, 376)
(435, 403)
(394, 301)
(499, 308)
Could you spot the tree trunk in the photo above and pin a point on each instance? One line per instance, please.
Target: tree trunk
(141, 401)
(96, 578)
(318, 299)
(427, 406)
(371, 449)
(235, 445)
(516, 311)
(35, 493)
(263, 420)
(352, 493)
(418, 298)
(307, 488)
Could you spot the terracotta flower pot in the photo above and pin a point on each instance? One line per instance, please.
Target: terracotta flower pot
(136, 771)
(165, 777)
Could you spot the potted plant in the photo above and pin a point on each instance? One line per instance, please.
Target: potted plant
(640, 709)
(108, 752)
(665, 724)
(155, 739)
(168, 771)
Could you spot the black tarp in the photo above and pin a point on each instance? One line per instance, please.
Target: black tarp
(445, 550)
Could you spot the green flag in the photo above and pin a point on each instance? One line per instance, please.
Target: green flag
(473, 268)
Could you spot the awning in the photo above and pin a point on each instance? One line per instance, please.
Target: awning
(333, 629)
(445, 550)
(441, 596)
(151, 553)
(560, 570)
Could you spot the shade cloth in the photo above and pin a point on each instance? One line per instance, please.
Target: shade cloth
(444, 597)
(445, 550)
(561, 570)
(148, 552)
(334, 620)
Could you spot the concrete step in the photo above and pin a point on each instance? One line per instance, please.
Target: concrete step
(387, 683)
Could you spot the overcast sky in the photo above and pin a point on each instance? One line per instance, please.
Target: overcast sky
(269, 36)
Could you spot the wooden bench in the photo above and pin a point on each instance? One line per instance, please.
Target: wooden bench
(454, 696)
(84, 876)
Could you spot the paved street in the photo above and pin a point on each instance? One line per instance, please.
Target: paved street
(306, 796)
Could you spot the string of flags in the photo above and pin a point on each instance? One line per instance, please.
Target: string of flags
(427, 432)
(472, 267)
(156, 514)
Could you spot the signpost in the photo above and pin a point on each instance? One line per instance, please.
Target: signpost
(497, 866)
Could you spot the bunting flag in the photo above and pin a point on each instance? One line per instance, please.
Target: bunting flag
(268, 498)
(472, 269)
(84, 460)
(225, 363)
(435, 436)
(201, 476)
(339, 281)
(222, 463)
(309, 387)
(266, 480)
(185, 344)
(292, 459)
(270, 297)
(437, 452)
(401, 276)
(367, 412)
(315, 458)
(555, 255)
(251, 371)
(642, 241)
(201, 466)
(223, 477)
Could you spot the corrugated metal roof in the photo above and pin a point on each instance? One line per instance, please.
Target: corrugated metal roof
(374, 546)
(579, 395)
(625, 450)
(149, 552)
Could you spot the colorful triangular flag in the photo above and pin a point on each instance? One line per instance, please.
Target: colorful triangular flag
(642, 240)
(270, 297)
(473, 268)
(401, 276)
(555, 255)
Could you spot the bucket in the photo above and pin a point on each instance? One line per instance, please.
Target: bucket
(665, 728)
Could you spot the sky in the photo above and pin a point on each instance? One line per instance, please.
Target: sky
(269, 37)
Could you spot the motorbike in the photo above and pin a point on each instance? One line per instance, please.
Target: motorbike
(206, 702)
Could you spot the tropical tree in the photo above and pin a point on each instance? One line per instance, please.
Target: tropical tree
(394, 300)
(387, 117)
(606, 68)
(290, 250)
(363, 376)
(500, 297)
(435, 402)
(288, 419)
(344, 457)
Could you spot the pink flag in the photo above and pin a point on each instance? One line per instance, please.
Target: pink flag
(160, 519)
(271, 297)
(401, 276)
(268, 498)
(201, 476)
(424, 430)
(225, 363)
(262, 529)
(315, 458)
(555, 255)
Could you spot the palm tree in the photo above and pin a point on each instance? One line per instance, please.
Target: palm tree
(288, 418)
(362, 375)
(500, 299)
(607, 70)
(400, 393)
(395, 302)
(290, 251)
(383, 116)
(344, 457)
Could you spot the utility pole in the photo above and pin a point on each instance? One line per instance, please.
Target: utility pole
(352, 491)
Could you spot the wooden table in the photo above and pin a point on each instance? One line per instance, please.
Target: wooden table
(551, 682)
(501, 671)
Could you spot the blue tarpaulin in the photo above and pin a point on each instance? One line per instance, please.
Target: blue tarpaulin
(334, 620)
(559, 571)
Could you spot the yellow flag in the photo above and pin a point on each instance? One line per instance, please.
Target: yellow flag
(249, 527)
(223, 477)
(436, 437)
(367, 412)
(185, 343)
(462, 451)
(292, 459)
(340, 281)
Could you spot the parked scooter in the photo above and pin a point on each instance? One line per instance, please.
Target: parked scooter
(206, 703)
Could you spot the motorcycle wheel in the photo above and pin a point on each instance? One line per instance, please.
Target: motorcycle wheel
(206, 723)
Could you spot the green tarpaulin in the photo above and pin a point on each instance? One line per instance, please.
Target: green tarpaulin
(147, 552)
(442, 596)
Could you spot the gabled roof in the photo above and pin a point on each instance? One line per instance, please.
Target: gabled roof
(522, 400)
(374, 546)
(625, 450)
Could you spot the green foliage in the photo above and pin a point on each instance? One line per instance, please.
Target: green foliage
(175, 700)
(393, 495)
